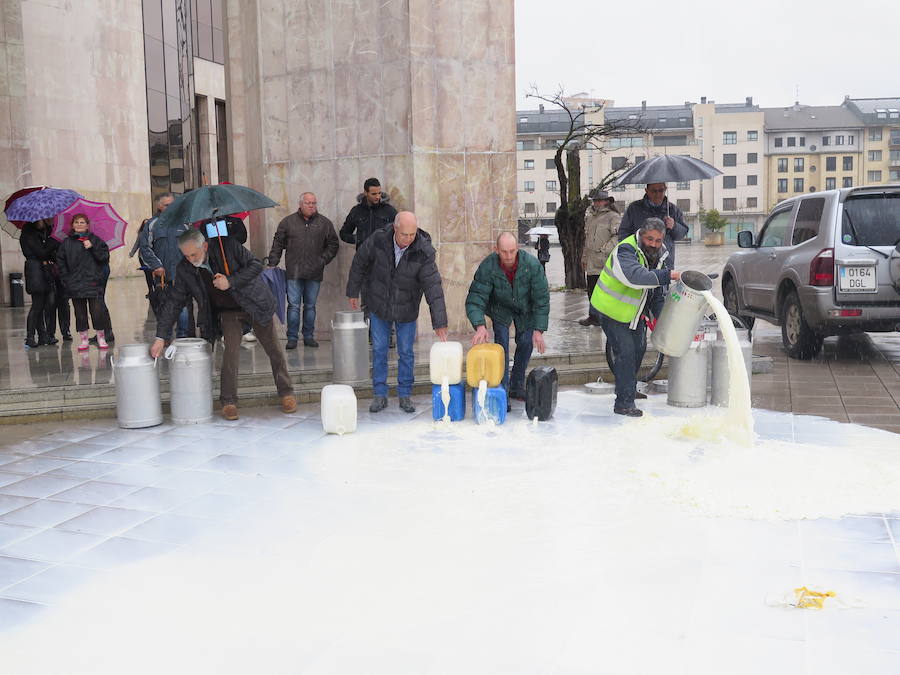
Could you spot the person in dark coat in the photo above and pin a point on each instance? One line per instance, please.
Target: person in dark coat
(309, 242)
(39, 250)
(372, 212)
(655, 204)
(511, 288)
(228, 292)
(395, 267)
(82, 259)
(542, 246)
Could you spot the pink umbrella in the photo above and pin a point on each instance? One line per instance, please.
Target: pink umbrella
(105, 222)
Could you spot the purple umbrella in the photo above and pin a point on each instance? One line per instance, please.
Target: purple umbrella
(41, 204)
(104, 222)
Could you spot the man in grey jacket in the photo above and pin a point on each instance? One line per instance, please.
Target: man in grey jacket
(309, 242)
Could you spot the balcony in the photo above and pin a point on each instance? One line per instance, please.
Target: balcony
(894, 141)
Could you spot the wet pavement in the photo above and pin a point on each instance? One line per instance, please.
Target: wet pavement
(855, 378)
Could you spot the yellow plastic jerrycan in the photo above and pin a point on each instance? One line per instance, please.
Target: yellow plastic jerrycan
(485, 362)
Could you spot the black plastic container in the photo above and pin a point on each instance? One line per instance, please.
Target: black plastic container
(540, 393)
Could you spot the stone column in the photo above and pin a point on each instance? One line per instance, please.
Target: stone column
(419, 93)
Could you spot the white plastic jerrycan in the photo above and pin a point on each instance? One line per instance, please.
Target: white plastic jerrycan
(338, 409)
(446, 361)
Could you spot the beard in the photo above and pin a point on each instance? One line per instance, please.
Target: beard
(652, 255)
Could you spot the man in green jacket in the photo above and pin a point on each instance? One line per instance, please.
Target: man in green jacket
(510, 286)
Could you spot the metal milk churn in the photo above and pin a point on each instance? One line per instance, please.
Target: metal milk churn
(682, 313)
(350, 347)
(688, 374)
(190, 381)
(719, 367)
(137, 387)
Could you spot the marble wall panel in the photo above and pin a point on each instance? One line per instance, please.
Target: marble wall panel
(308, 37)
(348, 111)
(271, 19)
(447, 23)
(450, 101)
(424, 114)
(397, 180)
(451, 179)
(478, 197)
(370, 109)
(396, 107)
(275, 122)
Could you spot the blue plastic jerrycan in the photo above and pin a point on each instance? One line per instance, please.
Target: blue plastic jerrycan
(457, 402)
(494, 406)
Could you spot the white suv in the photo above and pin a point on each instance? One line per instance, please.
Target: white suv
(826, 263)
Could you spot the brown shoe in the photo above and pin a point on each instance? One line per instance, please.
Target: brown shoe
(229, 411)
(589, 321)
(288, 404)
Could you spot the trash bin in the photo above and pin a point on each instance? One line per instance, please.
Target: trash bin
(16, 290)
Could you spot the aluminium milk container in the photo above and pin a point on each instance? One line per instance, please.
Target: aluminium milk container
(138, 403)
(350, 347)
(190, 381)
(682, 314)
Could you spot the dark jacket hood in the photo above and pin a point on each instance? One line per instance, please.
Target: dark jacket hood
(361, 199)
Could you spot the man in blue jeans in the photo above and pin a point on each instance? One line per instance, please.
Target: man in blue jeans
(510, 287)
(394, 267)
(310, 242)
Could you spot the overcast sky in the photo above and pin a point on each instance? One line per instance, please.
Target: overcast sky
(671, 52)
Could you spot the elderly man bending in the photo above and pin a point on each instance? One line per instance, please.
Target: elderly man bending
(227, 295)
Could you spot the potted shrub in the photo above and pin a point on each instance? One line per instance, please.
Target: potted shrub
(713, 223)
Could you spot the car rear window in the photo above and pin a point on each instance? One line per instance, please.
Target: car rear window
(871, 220)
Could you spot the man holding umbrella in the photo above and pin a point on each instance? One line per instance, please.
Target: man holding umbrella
(224, 279)
(655, 204)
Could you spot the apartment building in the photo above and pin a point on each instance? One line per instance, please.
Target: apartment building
(810, 148)
(881, 142)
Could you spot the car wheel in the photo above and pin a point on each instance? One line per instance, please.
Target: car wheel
(800, 341)
(729, 299)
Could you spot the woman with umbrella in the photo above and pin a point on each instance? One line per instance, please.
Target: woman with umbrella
(39, 248)
(82, 258)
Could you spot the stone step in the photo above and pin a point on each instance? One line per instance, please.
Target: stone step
(256, 389)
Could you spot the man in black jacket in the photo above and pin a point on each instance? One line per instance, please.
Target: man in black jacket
(394, 267)
(371, 213)
(228, 292)
(655, 204)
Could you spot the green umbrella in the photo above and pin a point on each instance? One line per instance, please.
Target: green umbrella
(212, 201)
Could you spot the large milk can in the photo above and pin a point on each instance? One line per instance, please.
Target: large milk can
(350, 347)
(137, 387)
(687, 376)
(190, 381)
(719, 367)
(682, 313)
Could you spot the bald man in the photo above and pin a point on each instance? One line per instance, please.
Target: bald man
(510, 287)
(309, 242)
(394, 267)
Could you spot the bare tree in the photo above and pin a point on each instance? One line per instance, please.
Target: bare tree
(581, 133)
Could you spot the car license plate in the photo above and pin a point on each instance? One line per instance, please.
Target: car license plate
(857, 279)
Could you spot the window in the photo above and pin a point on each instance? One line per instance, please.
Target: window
(895, 175)
(782, 184)
(528, 164)
(752, 135)
(873, 176)
(808, 217)
(525, 145)
(874, 155)
(529, 207)
(802, 142)
(550, 164)
(782, 165)
(551, 207)
(529, 186)
(826, 140)
(729, 137)
(551, 144)
(847, 182)
(851, 139)
(875, 134)
(751, 202)
(799, 164)
(550, 185)
(838, 140)
(729, 182)
(848, 164)
(792, 141)
(685, 185)
(626, 142)
(729, 204)
(894, 156)
(779, 142)
(222, 140)
(523, 120)
(830, 183)
(751, 158)
(798, 185)
(831, 163)
(684, 205)
(751, 179)
(729, 159)
(670, 140)
(895, 137)
(775, 230)
(618, 163)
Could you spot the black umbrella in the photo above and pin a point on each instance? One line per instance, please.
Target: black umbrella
(668, 169)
